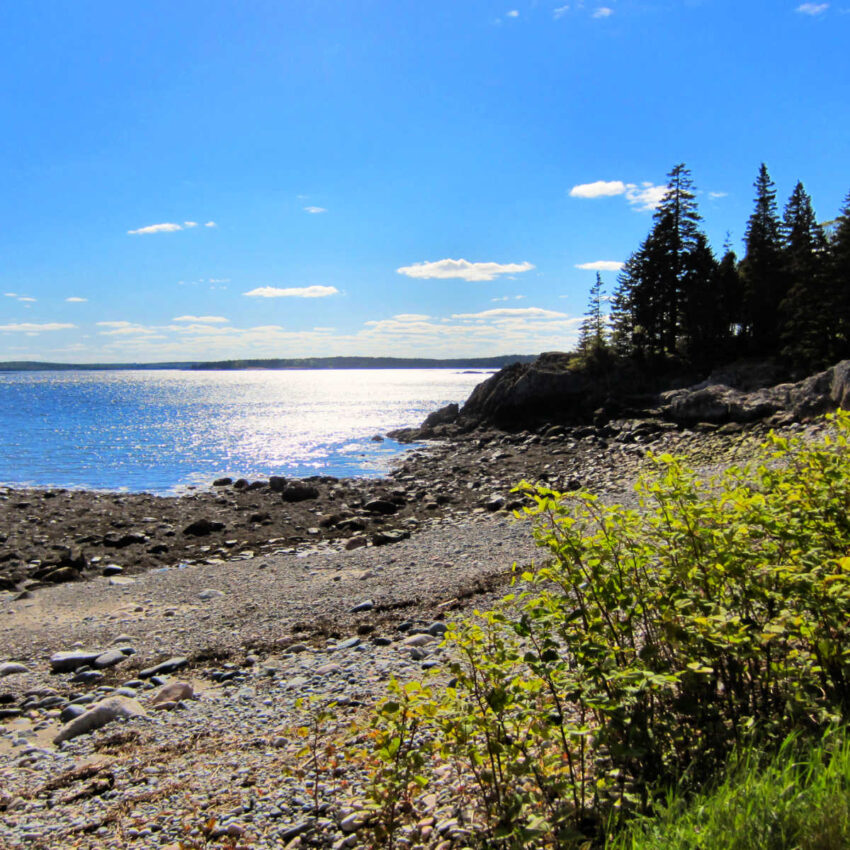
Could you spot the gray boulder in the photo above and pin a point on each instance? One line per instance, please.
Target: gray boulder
(100, 713)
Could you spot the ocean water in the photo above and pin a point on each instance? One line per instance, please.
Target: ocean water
(162, 431)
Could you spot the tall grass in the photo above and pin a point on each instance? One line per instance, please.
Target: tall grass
(797, 800)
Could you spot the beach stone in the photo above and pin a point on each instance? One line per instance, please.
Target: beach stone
(223, 482)
(63, 574)
(121, 581)
(355, 543)
(71, 711)
(7, 668)
(277, 483)
(366, 605)
(437, 629)
(169, 666)
(112, 570)
(298, 491)
(346, 644)
(98, 715)
(109, 658)
(381, 506)
(421, 639)
(67, 662)
(210, 593)
(173, 692)
(202, 527)
(383, 538)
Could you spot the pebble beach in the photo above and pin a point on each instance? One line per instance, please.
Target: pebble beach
(251, 637)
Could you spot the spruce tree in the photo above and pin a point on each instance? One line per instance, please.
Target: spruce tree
(704, 330)
(807, 312)
(762, 269)
(658, 277)
(839, 279)
(593, 332)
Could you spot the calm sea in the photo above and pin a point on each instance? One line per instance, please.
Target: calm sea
(162, 431)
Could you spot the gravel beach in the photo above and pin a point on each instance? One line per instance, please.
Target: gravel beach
(255, 627)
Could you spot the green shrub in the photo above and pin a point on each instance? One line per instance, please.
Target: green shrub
(649, 646)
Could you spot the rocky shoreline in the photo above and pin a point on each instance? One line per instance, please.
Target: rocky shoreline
(292, 610)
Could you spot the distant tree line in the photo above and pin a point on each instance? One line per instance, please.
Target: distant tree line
(676, 304)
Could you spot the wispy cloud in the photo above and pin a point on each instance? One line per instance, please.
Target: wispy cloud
(190, 224)
(114, 324)
(601, 266)
(11, 294)
(212, 320)
(292, 292)
(717, 195)
(645, 196)
(31, 327)
(210, 224)
(514, 13)
(315, 210)
(27, 299)
(76, 300)
(812, 9)
(603, 12)
(165, 227)
(512, 313)
(560, 11)
(463, 269)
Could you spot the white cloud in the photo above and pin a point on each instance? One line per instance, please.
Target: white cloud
(411, 317)
(560, 11)
(716, 195)
(212, 320)
(514, 13)
(293, 292)
(166, 227)
(601, 266)
(11, 294)
(27, 298)
(603, 12)
(812, 8)
(446, 269)
(190, 224)
(512, 312)
(30, 327)
(599, 189)
(210, 224)
(315, 210)
(75, 300)
(114, 324)
(219, 280)
(647, 196)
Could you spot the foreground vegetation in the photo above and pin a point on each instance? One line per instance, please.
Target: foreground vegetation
(648, 649)
(796, 799)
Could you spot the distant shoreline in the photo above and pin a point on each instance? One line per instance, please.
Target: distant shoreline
(280, 364)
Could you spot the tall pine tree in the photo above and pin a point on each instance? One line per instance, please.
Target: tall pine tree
(807, 312)
(650, 303)
(839, 279)
(593, 334)
(762, 272)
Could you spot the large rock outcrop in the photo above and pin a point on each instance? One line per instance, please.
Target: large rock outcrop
(719, 403)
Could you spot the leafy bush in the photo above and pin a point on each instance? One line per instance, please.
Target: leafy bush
(652, 644)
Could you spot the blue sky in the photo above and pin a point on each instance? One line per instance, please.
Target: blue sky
(211, 180)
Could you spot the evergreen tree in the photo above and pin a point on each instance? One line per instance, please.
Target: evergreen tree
(592, 334)
(659, 277)
(704, 327)
(762, 269)
(807, 312)
(839, 279)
